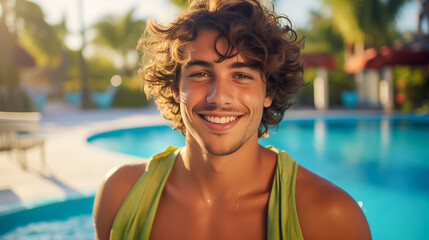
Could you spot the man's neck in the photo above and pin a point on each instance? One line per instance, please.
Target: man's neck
(216, 176)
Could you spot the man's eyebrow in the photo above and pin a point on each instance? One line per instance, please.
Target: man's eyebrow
(197, 63)
(210, 65)
(242, 65)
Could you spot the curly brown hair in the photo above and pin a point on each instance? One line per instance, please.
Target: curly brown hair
(263, 38)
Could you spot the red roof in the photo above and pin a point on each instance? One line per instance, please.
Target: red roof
(319, 60)
(377, 59)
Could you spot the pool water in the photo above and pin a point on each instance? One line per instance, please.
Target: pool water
(383, 164)
(382, 161)
(55, 219)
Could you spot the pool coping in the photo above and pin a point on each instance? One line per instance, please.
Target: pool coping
(15, 207)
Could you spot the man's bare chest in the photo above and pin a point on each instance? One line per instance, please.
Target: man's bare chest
(187, 218)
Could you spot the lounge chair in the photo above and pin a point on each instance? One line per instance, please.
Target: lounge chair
(16, 135)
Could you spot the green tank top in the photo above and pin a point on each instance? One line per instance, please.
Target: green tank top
(135, 217)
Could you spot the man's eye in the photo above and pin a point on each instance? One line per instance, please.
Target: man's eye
(199, 74)
(241, 75)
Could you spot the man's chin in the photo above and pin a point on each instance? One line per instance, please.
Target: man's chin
(222, 151)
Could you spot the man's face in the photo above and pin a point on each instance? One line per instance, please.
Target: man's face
(221, 103)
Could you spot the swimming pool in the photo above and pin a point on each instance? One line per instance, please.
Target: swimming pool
(69, 218)
(381, 160)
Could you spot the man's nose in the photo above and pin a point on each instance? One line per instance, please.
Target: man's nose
(219, 92)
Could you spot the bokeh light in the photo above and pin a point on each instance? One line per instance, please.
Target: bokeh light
(116, 81)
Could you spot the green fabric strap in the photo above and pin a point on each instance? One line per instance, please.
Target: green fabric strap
(137, 213)
(283, 221)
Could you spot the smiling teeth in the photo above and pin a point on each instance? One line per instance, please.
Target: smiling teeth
(220, 120)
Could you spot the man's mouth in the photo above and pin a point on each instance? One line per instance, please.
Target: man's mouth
(220, 120)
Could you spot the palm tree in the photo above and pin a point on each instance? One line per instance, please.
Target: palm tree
(22, 25)
(320, 35)
(120, 34)
(8, 72)
(86, 96)
(364, 22)
(32, 32)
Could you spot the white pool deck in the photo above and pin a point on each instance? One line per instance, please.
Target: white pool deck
(73, 166)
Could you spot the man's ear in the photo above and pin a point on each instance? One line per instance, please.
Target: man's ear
(268, 100)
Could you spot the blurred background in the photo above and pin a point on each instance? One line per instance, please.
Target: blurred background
(73, 65)
(364, 54)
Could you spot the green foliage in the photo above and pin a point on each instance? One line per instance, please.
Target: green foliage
(72, 80)
(411, 88)
(9, 75)
(130, 93)
(100, 71)
(119, 33)
(321, 36)
(38, 47)
(181, 3)
(129, 97)
(339, 81)
(8, 72)
(365, 21)
(345, 19)
(305, 96)
(35, 35)
(22, 25)
(346, 24)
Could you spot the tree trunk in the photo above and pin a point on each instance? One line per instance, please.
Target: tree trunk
(86, 97)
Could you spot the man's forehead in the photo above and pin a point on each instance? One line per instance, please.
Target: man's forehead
(212, 47)
(208, 39)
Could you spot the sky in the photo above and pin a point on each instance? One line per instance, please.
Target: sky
(164, 11)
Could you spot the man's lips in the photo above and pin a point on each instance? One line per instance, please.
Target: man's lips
(220, 120)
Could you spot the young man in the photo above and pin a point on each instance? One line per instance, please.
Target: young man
(223, 72)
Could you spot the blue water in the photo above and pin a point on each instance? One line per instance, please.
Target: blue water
(54, 219)
(382, 161)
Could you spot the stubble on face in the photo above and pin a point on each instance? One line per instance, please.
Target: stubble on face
(235, 146)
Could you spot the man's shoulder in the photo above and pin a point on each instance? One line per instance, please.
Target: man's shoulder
(124, 175)
(115, 187)
(327, 211)
(119, 181)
